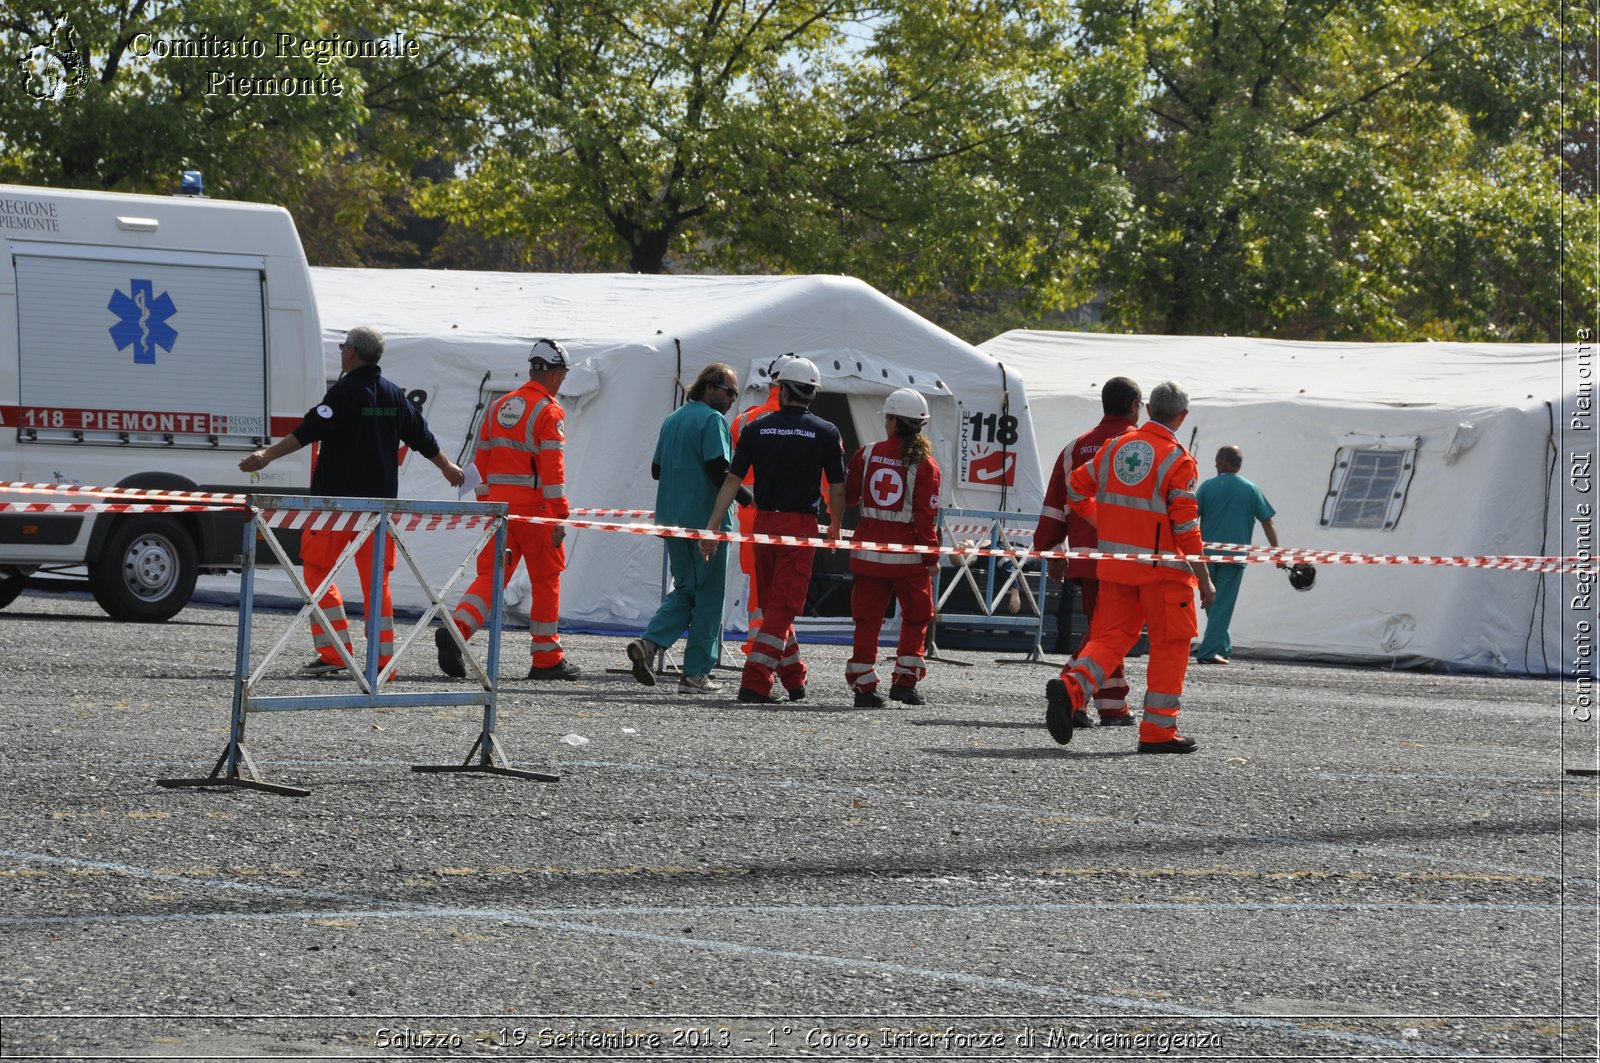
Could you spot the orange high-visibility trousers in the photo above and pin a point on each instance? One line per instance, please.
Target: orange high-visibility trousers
(1167, 608)
(545, 565)
(318, 551)
(1113, 693)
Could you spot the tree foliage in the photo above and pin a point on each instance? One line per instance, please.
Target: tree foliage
(1343, 168)
(628, 120)
(1359, 169)
(263, 99)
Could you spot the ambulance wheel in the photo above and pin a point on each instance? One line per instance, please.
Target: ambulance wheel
(147, 570)
(11, 585)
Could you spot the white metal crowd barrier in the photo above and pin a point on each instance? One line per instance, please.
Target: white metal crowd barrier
(990, 541)
(384, 522)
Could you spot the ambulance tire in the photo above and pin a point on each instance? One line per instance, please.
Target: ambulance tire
(146, 571)
(11, 585)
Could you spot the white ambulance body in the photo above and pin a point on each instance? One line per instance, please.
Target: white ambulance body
(150, 342)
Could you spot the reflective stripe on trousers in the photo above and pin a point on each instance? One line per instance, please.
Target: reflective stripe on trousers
(782, 576)
(530, 543)
(318, 551)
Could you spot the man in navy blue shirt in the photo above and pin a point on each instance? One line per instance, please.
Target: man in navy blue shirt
(358, 426)
(791, 450)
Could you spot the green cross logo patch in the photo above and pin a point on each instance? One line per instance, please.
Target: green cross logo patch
(1133, 461)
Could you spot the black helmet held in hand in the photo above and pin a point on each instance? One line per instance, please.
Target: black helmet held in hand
(1302, 576)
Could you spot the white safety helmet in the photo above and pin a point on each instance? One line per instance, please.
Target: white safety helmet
(547, 354)
(907, 405)
(801, 375)
(777, 364)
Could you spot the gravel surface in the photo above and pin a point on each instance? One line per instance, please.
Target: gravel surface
(1356, 863)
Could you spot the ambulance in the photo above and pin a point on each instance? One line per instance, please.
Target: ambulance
(145, 342)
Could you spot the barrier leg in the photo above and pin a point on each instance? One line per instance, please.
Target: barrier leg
(235, 767)
(931, 653)
(486, 755)
(1036, 653)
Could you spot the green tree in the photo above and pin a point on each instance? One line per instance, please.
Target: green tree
(265, 100)
(1357, 169)
(627, 120)
(967, 151)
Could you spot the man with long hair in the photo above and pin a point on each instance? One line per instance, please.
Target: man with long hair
(690, 463)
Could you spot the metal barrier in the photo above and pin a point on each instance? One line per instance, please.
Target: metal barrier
(383, 521)
(997, 530)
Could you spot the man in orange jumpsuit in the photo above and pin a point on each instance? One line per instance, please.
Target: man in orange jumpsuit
(1120, 401)
(1139, 492)
(521, 458)
(747, 514)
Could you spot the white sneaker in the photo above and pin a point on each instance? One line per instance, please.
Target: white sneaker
(698, 684)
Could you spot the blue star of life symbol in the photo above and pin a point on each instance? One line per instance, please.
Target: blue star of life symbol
(144, 321)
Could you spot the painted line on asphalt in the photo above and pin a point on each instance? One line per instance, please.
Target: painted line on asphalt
(393, 909)
(652, 911)
(575, 871)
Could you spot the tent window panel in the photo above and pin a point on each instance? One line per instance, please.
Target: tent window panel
(1368, 488)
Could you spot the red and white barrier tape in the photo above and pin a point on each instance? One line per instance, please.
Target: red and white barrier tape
(648, 514)
(332, 520)
(135, 493)
(1330, 557)
(109, 507)
(329, 520)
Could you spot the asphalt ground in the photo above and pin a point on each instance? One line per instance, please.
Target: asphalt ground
(1357, 863)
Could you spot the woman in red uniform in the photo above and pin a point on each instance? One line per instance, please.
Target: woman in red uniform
(895, 483)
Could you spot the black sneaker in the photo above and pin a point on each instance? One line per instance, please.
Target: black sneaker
(1175, 745)
(451, 662)
(751, 697)
(797, 693)
(318, 667)
(565, 669)
(1058, 714)
(640, 651)
(906, 695)
(868, 699)
(1080, 718)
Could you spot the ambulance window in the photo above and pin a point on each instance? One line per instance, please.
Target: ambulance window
(1367, 488)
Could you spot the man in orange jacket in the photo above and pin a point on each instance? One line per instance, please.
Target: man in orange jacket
(521, 456)
(1120, 399)
(1139, 492)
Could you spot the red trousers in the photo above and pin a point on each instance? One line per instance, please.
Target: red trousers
(1113, 693)
(783, 575)
(869, 597)
(1167, 609)
(318, 551)
(747, 564)
(530, 542)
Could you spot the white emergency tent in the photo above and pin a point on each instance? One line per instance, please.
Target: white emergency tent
(1407, 448)
(462, 338)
